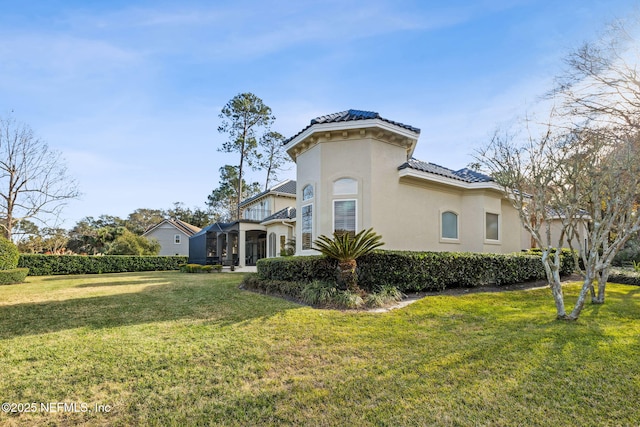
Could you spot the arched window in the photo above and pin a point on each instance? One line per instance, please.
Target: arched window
(344, 186)
(307, 192)
(449, 225)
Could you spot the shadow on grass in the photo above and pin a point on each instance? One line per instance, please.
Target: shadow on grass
(218, 304)
(108, 283)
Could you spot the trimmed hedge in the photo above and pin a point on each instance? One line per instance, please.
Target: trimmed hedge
(8, 254)
(199, 268)
(416, 271)
(624, 276)
(45, 265)
(297, 268)
(15, 275)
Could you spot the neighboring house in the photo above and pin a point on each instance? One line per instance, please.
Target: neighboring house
(173, 236)
(355, 170)
(243, 242)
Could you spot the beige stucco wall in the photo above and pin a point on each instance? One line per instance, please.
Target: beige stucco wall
(280, 230)
(276, 202)
(407, 211)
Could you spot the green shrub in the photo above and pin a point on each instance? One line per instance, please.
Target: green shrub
(15, 275)
(624, 276)
(298, 268)
(417, 271)
(566, 259)
(383, 296)
(199, 268)
(45, 265)
(278, 287)
(319, 293)
(347, 299)
(8, 255)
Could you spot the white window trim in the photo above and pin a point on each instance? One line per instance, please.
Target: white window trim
(492, 241)
(333, 213)
(313, 231)
(449, 239)
(347, 193)
(313, 193)
(177, 237)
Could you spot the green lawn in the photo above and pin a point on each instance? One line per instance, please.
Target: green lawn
(192, 349)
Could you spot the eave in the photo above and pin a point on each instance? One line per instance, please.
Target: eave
(357, 129)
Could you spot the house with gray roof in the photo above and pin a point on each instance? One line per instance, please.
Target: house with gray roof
(173, 236)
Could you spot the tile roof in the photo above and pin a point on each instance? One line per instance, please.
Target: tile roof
(286, 187)
(283, 214)
(465, 174)
(351, 115)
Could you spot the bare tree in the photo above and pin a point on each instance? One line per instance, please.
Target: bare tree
(583, 173)
(527, 173)
(33, 178)
(586, 184)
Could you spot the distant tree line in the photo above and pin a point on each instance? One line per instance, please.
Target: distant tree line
(106, 234)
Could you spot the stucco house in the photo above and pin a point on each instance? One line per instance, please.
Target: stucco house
(245, 241)
(355, 170)
(173, 236)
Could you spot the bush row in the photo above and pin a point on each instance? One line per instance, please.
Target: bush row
(624, 276)
(417, 271)
(15, 275)
(198, 268)
(45, 265)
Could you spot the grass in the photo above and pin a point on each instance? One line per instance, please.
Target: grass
(187, 349)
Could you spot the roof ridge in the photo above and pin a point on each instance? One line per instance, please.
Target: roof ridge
(350, 115)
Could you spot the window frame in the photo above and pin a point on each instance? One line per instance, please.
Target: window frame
(302, 228)
(345, 193)
(177, 239)
(355, 213)
(487, 239)
(304, 197)
(443, 238)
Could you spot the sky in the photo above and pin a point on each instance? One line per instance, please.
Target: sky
(129, 92)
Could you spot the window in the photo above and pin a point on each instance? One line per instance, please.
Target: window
(345, 186)
(272, 245)
(492, 225)
(307, 192)
(449, 225)
(344, 216)
(177, 239)
(307, 226)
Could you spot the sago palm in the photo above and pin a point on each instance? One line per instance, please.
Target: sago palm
(346, 249)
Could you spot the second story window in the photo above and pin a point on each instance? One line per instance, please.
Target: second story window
(307, 192)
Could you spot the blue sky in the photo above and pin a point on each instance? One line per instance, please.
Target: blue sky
(130, 91)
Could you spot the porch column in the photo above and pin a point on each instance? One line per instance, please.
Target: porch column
(219, 241)
(241, 248)
(229, 247)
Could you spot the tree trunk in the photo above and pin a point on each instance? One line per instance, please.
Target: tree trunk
(552, 269)
(347, 275)
(603, 276)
